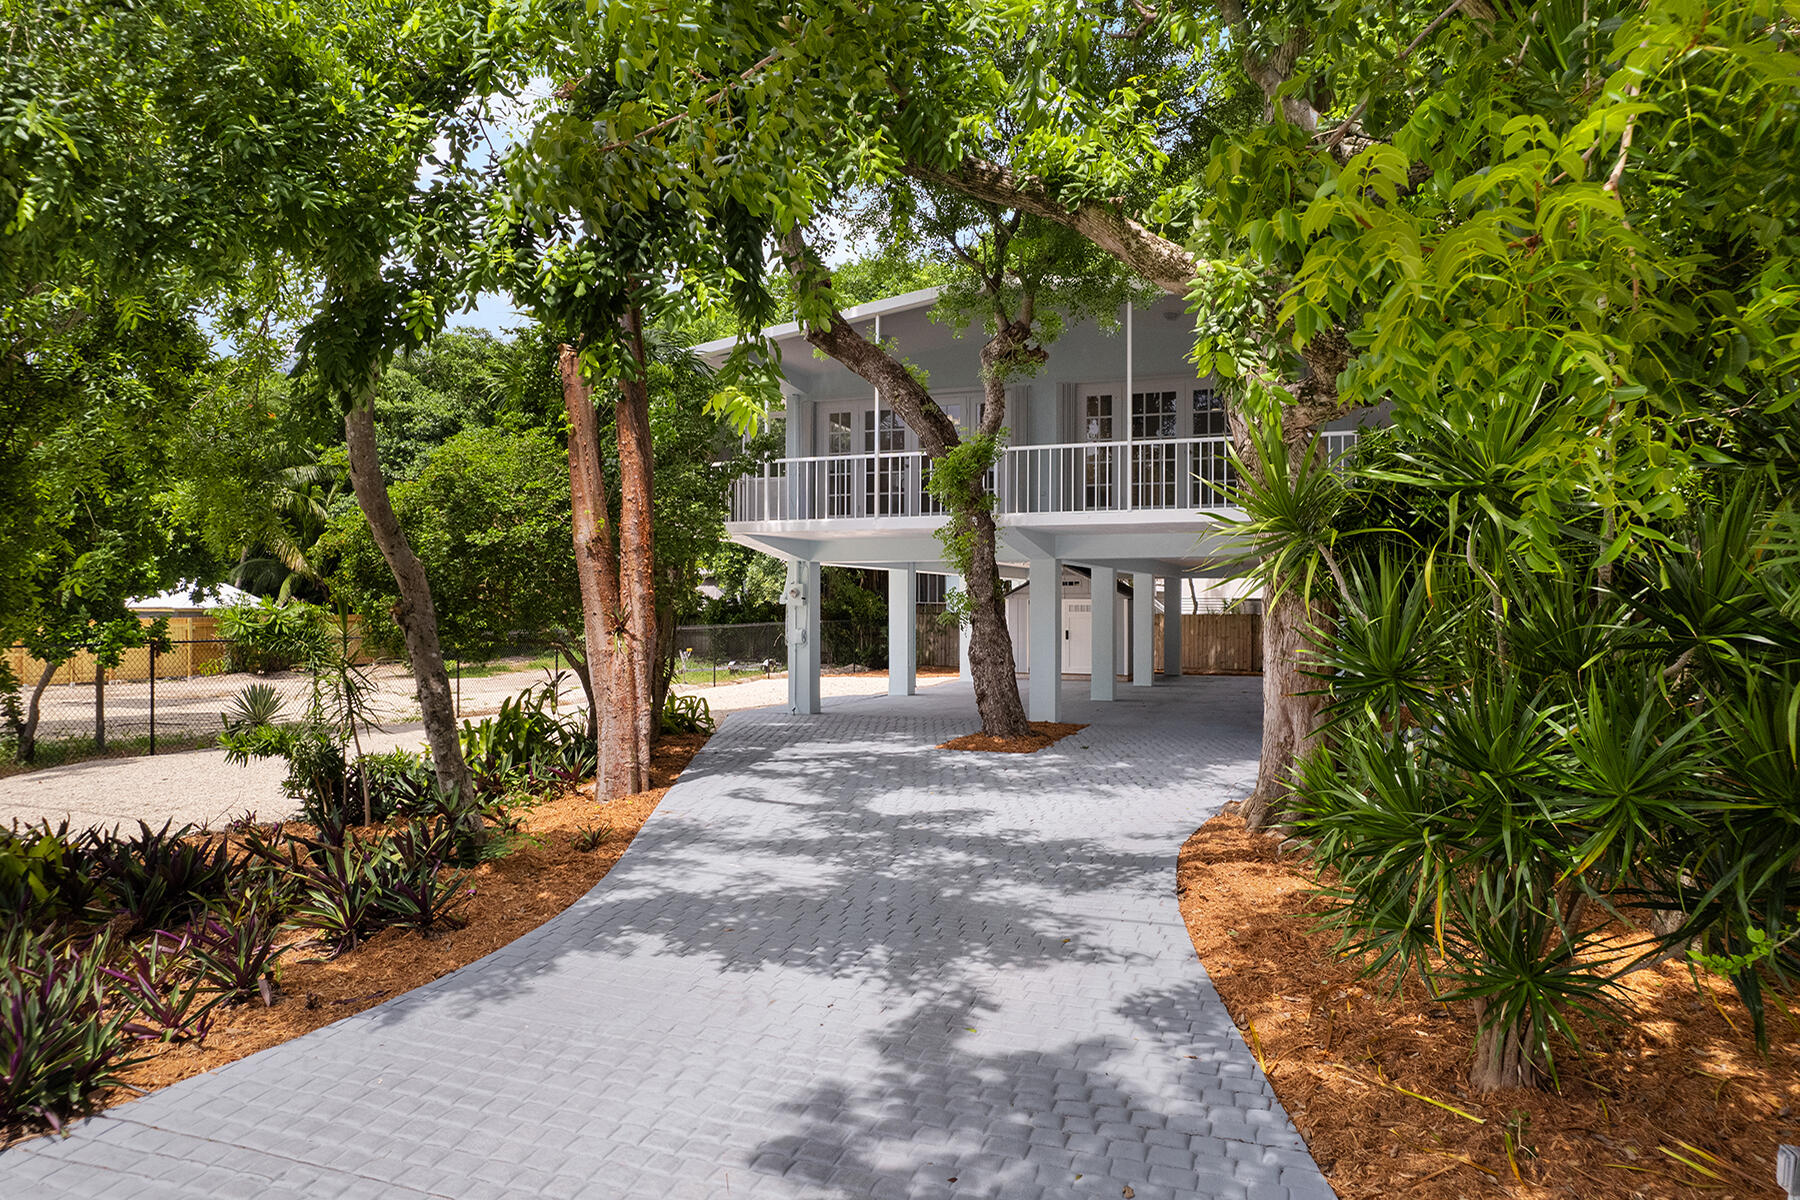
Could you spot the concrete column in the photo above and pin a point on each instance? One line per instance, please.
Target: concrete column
(805, 629)
(1045, 700)
(1172, 627)
(1106, 633)
(903, 630)
(1143, 629)
(964, 631)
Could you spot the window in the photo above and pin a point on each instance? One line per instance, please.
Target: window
(1153, 415)
(1099, 418)
(1209, 414)
(838, 433)
(893, 433)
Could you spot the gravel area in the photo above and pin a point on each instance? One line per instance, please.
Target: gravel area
(200, 787)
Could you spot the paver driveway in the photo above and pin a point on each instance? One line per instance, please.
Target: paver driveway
(835, 963)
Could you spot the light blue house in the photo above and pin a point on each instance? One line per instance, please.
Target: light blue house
(1111, 484)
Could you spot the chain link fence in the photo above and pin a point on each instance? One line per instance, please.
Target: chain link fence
(172, 697)
(158, 699)
(712, 654)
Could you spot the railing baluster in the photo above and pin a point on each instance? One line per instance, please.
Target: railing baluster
(1179, 473)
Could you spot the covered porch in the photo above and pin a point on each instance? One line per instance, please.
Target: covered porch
(1146, 566)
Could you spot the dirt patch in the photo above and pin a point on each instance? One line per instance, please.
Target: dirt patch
(508, 897)
(1043, 733)
(1675, 1101)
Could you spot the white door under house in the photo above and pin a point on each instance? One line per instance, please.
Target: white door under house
(1078, 637)
(1078, 625)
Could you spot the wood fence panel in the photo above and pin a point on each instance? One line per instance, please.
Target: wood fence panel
(1215, 643)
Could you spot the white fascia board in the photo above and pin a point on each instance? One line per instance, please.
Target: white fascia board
(904, 302)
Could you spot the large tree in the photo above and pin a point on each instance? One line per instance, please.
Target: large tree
(166, 153)
(1021, 279)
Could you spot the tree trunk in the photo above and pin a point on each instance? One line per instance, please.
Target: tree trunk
(415, 613)
(597, 568)
(1290, 716)
(664, 658)
(577, 656)
(1505, 1055)
(99, 708)
(28, 732)
(992, 668)
(637, 548)
(991, 660)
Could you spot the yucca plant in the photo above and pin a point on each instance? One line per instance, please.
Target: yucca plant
(1534, 781)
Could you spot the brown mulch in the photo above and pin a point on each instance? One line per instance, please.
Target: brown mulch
(1043, 733)
(1678, 1079)
(512, 896)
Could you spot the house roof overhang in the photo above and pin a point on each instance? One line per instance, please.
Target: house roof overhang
(715, 351)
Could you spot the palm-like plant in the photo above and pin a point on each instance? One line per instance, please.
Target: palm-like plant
(1518, 760)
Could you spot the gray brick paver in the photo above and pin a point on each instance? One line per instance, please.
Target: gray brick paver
(836, 963)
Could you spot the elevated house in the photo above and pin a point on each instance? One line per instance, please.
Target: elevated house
(1111, 484)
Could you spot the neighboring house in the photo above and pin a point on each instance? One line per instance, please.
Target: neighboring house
(1116, 462)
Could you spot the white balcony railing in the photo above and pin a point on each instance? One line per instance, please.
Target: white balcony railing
(1077, 477)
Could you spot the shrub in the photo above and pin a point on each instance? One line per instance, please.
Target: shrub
(401, 783)
(688, 714)
(267, 637)
(525, 742)
(235, 953)
(161, 877)
(59, 1043)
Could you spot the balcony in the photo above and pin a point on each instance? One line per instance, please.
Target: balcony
(1157, 478)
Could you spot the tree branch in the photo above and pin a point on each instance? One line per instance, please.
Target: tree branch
(1349, 122)
(904, 394)
(1151, 255)
(744, 76)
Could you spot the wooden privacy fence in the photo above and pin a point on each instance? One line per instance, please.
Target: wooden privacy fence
(1216, 643)
(938, 642)
(197, 647)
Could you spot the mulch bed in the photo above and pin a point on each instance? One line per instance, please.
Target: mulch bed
(512, 896)
(1043, 733)
(1673, 1102)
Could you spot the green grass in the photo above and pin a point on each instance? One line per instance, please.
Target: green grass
(63, 751)
(472, 669)
(706, 676)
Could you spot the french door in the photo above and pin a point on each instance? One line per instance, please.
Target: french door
(1212, 471)
(840, 468)
(886, 480)
(1154, 476)
(1099, 463)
